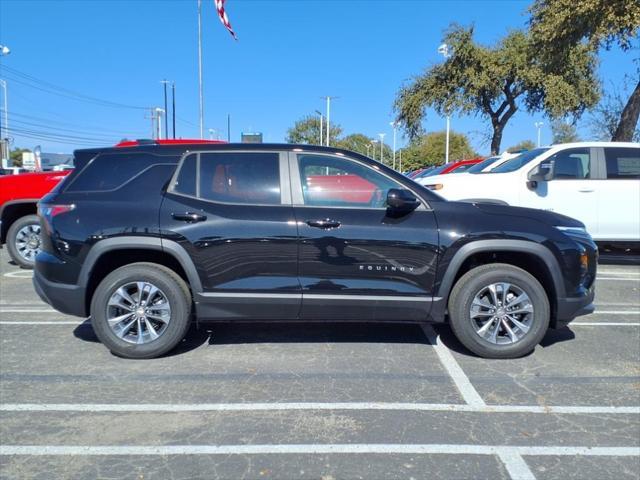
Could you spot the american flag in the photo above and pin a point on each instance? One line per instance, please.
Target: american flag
(223, 17)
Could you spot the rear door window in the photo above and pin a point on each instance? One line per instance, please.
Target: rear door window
(231, 177)
(622, 163)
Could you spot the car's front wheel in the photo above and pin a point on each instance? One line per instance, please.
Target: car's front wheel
(499, 311)
(141, 310)
(23, 240)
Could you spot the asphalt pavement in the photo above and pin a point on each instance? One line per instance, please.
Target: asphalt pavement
(319, 401)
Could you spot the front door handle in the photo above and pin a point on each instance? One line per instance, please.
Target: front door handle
(189, 217)
(586, 190)
(325, 224)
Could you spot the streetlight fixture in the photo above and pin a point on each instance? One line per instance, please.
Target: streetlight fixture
(538, 125)
(381, 135)
(394, 125)
(444, 51)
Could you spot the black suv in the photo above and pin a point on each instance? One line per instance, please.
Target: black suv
(145, 236)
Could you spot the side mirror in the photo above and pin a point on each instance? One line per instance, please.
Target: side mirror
(402, 200)
(543, 172)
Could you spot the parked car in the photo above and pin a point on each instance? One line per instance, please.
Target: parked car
(19, 225)
(597, 183)
(484, 166)
(12, 171)
(451, 167)
(141, 237)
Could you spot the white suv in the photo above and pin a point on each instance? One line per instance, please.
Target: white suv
(597, 183)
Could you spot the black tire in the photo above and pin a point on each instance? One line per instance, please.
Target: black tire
(172, 286)
(12, 246)
(471, 283)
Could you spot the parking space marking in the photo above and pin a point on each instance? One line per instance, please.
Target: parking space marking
(460, 379)
(28, 310)
(607, 324)
(19, 274)
(41, 322)
(637, 280)
(451, 449)
(291, 406)
(516, 466)
(618, 312)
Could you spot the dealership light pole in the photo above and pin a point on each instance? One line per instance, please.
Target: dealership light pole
(394, 125)
(201, 100)
(381, 135)
(444, 51)
(4, 51)
(538, 125)
(328, 134)
(321, 123)
(373, 148)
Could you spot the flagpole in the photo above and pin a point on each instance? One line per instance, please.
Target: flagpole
(200, 69)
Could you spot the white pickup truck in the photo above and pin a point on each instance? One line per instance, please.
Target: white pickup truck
(597, 183)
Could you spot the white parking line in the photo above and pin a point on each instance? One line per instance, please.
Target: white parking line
(460, 379)
(617, 312)
(43, 322)
(637, 280)
(452, 449)
(607, 324)
(516, 466)
(291, 406)
(28, 310)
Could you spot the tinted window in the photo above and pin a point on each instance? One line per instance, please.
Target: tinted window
(622, 162)
(232, 177)
(478, 167)
(186, 181)
(572, 164)
(518, 162)
(434, 171)
(462, 168)
(338, 182)
(110, 171)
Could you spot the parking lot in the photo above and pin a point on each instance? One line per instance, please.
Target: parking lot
(322, 401)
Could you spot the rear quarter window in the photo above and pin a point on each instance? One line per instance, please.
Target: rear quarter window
(110, 171)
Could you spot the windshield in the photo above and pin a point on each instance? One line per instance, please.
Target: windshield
(478, 167)
(517, 162)
(433, 171)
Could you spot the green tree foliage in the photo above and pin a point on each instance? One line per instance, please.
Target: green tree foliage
(563, 132)
(429, 149)
(16, 156)
(495, 82)
(523, 145)
(561, 26)
(307, 131)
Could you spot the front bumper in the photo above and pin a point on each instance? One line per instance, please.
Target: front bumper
(572, 307)
(66, 298)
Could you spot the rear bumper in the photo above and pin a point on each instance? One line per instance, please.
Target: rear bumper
(66, 298)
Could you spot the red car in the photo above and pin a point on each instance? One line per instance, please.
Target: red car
(19, 224)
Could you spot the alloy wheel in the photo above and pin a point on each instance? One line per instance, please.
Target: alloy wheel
(28, 243)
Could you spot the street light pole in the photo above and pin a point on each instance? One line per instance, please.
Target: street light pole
(328, 133)
(444, 51)
(166, 123)
(321, 123)
(538, 125)
(4, 51)
(200, 95)
(381, 135)
(173, 107)
(373, 149)
(395, 126)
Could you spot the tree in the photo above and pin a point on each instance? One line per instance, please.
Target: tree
(605, 117)
(564, 132)
(307, 131)
(16, 156)
(356, 142)
(523, 145)
(558, 26)
(429, 149)
(495, 82)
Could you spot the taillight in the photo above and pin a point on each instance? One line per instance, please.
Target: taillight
(51, 211)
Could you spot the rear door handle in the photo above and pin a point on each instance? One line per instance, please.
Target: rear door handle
(325, 224)
(189, 217)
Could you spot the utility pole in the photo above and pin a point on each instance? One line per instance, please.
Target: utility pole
(166, 124)
(200, 94)
(328, 134)
(173, 107)
(229, 127)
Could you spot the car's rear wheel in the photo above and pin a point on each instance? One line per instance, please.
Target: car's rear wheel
(141, 310)
(499, 311)
(23, 240)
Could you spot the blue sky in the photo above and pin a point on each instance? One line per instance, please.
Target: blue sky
(289, 54)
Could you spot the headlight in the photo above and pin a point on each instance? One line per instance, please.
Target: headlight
(580, 231)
